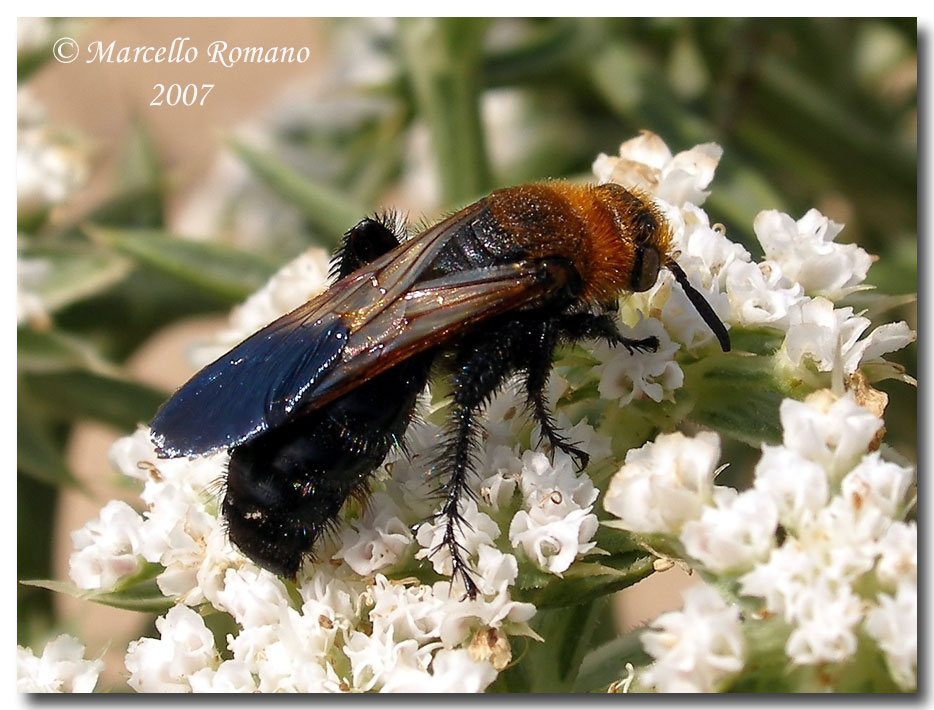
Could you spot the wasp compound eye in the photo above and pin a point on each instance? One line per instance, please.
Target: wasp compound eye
(645, 268)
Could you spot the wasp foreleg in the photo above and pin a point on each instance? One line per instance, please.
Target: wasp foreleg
(581, 326)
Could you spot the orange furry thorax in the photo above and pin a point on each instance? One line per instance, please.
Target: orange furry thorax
(595, 227)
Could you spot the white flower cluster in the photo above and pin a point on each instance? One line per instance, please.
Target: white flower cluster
(792, 289)
(61, 668)
(355, 628)
(359, 619)
(696, 649)
(49, 167)
(848, 558)
(845, 557)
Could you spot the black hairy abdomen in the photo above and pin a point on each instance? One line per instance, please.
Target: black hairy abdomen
(286, 486)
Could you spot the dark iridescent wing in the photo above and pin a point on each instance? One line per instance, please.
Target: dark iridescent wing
(361, 326)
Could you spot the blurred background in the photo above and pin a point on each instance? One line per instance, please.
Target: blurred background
(139, 226)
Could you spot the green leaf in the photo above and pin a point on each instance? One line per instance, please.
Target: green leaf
(212, 267)
(73, 272)
(607, 663)
(36, 504)
(737, 395)
(583, 581)
(329, 210)
(552, 666)
(48, 351)
(38, 453)
(83, 394)
(143, 595)
(548, 49)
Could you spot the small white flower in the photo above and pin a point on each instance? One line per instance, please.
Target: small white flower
(664, 483)
(832, 432)
(498, 489)
(555, 487)
(898, 555)
(842, 539)
(478, 529)
(196, 479)
(704, 252)
(556, 525)
(376, 541)
(825, 616)
(645, 163)
(626, 376)
(286, 657)
(697, 649)
(738, 532)
(830, 337)
(894, 624)
(32, 33)
(451, 671)
(377, 657)
(798, 487)
(231, 676)
(292, 656)
(879, 483)
(176, 534)
(553, 544)
(667, 302)
(165, 665)
(49, 166)
(60, 669)
(31, 276)
(760, 294)
(107, 548)
(252, 596)
(808, 255)
(780, 579)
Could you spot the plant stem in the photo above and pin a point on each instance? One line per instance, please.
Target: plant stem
(443, 60)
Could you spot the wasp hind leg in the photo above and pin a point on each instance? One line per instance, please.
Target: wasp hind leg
(481, 366)
(458, 459)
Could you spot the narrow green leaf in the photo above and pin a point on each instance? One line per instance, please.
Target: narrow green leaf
(82, 394)
(548, 49)
(54, 351)
(143, 596)
(69, 273)
(328, 209)
(38, 454)
(583, 581)
(212, 267)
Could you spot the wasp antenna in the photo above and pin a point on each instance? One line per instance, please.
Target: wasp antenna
(704, 308)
